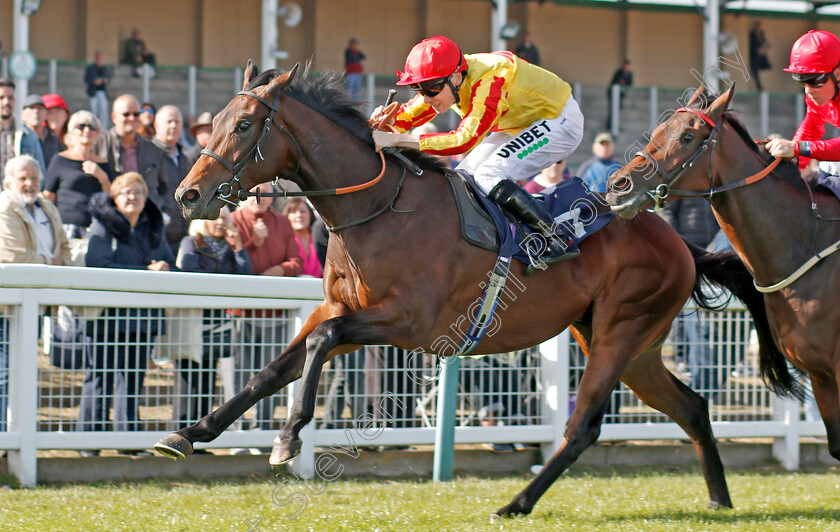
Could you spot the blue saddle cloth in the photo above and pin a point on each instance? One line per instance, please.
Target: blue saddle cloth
(577, 211)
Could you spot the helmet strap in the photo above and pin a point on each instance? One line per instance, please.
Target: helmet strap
(455, 89)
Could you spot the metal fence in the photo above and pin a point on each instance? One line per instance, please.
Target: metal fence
(145, 353)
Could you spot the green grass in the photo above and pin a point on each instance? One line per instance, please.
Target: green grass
(625, 500)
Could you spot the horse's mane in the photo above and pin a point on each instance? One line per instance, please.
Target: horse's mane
(323, 92)
(787, 169)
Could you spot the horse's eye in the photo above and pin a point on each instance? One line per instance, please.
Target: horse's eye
(243, 125)
(686, 138)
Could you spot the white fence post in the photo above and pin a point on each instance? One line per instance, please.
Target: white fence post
(238, 77)
(23, 389)
(764, 113)
(304, 464)
(654, 107)
(799, 106)
(147, 77)
(615, 109)
(555, 384)
(786, 449)
(371, 93)
(191, 90)
(53, 83)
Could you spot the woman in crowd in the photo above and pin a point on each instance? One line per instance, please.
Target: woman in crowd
(301, 216)
(127, 233)
(77, 173)
(57, 115)
(213, 246)
(147, 120)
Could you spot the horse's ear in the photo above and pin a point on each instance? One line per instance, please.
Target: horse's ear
(698, 96)
(251, 72)
(721, 103)
(279, 84)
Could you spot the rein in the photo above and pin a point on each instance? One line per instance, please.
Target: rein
(662, 191)
(234, 189)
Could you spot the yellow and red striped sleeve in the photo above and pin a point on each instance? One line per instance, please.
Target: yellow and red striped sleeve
(479, 119)
(413, 113)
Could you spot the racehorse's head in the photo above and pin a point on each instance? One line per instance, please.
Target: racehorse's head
(243, 146)
(679, 154)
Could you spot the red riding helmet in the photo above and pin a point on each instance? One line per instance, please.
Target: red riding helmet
(816, 52)
(436, 57)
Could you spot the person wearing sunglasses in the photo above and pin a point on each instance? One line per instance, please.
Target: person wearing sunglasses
(77, 173)
(517, 119)
(127, 151)
(815, 64)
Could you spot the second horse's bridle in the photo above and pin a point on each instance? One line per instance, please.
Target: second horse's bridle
(661, 192)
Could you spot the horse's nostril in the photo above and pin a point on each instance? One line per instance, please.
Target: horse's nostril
(622, 184)
(190, 197)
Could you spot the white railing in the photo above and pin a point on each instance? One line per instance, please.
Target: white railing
(515, 397)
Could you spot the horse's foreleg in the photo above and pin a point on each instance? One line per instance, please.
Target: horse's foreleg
(284, 369)
(369, 327)
(659, 389)
(599, 378)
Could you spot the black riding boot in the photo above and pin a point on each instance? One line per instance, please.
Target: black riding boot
(516, 201)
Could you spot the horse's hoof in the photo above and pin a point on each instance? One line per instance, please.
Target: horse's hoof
(511, 510)
(174, 446)
(283, 451)
(715, 505)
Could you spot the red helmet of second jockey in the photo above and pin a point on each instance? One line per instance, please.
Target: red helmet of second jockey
(816, 52)
(433, 58)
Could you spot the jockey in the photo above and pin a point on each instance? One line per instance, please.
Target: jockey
(518, 119)
(815, 64)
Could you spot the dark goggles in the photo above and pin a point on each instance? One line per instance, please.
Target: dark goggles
(429, 88)
(814, 80)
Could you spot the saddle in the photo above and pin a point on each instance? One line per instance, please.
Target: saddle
(483, 224)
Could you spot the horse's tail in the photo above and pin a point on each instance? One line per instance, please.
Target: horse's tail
(728, 271)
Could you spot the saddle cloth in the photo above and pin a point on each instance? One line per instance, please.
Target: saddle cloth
(577, 211)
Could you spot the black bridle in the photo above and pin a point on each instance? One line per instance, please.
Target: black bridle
(234, 188)
(663, 190)
(227, 190)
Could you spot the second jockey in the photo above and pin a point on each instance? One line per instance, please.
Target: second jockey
(815, 64)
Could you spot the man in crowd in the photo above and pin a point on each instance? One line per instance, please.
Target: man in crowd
(353, 69)
(127, 151)
(30, 226)
(34, 115)
(201, 130)
(15, 141)
(596, 171)
(97, 76)
(169, 123)
(528, 50)
(623, 77)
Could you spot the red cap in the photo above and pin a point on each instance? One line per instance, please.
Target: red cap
(54, 100)
(436, 57)
(816, 52)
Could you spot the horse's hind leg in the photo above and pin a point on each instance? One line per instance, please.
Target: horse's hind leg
(660, 389)
(284, 369)
(599, 378)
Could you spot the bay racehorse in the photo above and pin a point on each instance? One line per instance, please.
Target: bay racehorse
(784, 228)
(399, 273)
